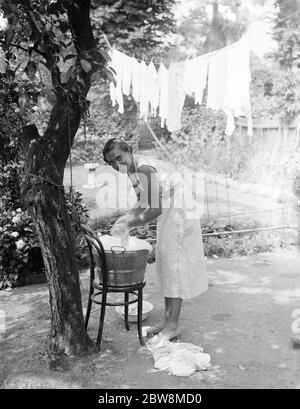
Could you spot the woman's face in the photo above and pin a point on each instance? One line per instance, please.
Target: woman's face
(120, 160)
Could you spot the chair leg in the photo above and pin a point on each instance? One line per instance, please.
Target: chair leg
(126, 299)
(89, 307)
(140, 312)
(101, 323)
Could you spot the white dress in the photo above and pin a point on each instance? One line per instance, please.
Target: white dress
(180, 262)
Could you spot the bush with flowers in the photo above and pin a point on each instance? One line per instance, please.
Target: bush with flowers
(17, 239)
(20, 254)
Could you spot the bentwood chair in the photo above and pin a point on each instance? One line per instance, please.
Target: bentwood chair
(99, 287)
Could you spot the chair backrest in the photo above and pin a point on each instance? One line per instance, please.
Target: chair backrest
(94, 243)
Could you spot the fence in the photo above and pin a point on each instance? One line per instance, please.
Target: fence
(272, 139)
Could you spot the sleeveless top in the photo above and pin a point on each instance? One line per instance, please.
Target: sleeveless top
(170, 180)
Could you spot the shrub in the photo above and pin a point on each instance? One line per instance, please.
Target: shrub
(20, 255)
(17, 238)
(84, 151)
(238, 244)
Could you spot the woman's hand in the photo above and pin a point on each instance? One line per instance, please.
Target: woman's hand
(120, 228)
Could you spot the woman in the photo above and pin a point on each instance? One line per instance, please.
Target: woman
(180, 262)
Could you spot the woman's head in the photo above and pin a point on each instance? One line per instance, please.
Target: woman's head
(118, 154)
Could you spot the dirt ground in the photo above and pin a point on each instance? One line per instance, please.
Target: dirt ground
(245, 321)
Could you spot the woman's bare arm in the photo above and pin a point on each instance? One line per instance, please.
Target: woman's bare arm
(150, 205)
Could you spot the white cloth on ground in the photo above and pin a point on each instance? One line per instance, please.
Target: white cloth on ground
(176, 95)
(163, 85)
(228, 83)
(195, 77)
(179, 358)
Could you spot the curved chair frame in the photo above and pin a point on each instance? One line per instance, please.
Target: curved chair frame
(100, 290)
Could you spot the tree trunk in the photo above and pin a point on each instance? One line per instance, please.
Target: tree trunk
(46, 157)
(44, 194)
(215, 38)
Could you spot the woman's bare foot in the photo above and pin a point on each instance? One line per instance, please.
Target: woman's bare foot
(166, 334)
(158, 328)
(170, 332)
(154, 330)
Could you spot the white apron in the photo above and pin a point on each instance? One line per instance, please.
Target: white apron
(180, 263)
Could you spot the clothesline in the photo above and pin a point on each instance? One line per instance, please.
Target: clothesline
(209, 54)
(249, 30)
(163, 91)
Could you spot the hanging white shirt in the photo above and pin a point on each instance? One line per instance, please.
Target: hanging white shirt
(145, 93)
(176, 95)
(228, 83)
(163, 86)
(195, 77)
(237, 97)
(153, 88)
(136, 80)
(127, 70)
(116, 95)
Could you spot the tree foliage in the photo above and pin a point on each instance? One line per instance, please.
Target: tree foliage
(138, 27)
(201, 31)
(287, 34)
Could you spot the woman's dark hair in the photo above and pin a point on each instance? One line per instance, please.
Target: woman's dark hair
(112, 143)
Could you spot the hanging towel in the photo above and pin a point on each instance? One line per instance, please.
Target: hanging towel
(136, 80)
(127, 68)
(163, 84)
(116, 96)
(179, 358)
(195, 77)
(228, 83)
(217, 78)
(237, 97)
(153, 88)
(145, 91)
(176, 95)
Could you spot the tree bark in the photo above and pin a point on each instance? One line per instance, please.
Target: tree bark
(46, 157)
(44, 194)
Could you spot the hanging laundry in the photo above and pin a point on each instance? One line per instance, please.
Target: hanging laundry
(195, 77)
(237, 98)
(116, 96)
(145, 87)
(163, 86)
(153, 88)
(228, 83)
(137, 68)
(176, 95)
(144, 91)
(217, 78)
(127, 70)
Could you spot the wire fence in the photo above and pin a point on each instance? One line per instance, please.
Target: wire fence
(283, 219)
